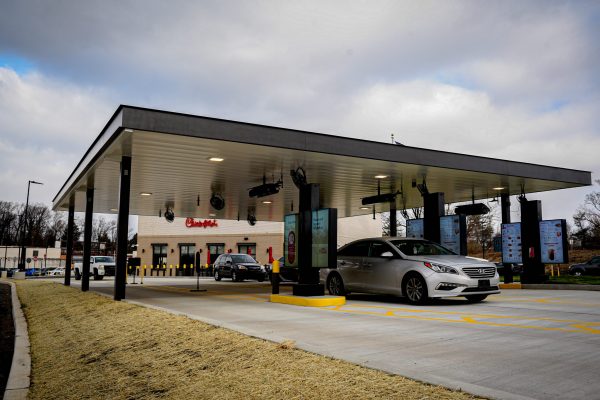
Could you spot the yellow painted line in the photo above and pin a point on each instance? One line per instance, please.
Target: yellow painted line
(571, 326)
(311, 301)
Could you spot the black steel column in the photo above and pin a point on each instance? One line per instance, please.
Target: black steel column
(308, 277)
(433, 209)
(70, 225)
(122, 228)
(393, 219)
(87, 239)
(531, 215)
(505, 207)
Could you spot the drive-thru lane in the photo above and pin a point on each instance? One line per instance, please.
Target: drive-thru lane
(519, 344)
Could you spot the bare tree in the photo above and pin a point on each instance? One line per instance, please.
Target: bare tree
(587, 218)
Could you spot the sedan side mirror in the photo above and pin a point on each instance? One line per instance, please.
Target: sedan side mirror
(387, 254)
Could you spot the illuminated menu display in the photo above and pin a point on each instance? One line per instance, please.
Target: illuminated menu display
(450, 232)
(552, 241)
(414, 228)
(290, 247)
(512, 251)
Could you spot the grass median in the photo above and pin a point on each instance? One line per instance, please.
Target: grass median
(86, 346)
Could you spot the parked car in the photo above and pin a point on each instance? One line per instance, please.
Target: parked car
(55, 272)
(238, 267)
(517, 269)
(415, 268)
(590, 267)
(286, 274)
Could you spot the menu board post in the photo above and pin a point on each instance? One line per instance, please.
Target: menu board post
(553, 241)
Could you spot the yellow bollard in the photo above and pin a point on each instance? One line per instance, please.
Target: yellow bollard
(275, 277)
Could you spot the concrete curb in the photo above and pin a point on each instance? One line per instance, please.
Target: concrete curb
(19, 381)
(560, 286)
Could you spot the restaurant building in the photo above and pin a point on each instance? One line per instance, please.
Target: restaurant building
(188, 241)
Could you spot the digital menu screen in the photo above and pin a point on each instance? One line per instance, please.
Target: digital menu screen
(320, 238)
(415, 228)
(450, 233)
(553, 242)
(512, 251)
(290, 239)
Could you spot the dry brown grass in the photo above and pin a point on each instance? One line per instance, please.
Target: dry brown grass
(85, 346)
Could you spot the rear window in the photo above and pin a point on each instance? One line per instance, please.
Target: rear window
(242, 258)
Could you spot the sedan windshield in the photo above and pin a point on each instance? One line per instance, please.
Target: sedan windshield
(242, 258)
(421, 248)
(105, 259)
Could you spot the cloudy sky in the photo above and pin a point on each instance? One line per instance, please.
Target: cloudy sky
(516, 80)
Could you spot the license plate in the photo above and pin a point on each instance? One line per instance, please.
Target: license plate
(484, 283)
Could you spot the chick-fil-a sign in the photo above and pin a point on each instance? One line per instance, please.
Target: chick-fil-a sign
(207, 223)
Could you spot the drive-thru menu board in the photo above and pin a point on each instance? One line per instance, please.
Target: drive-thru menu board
(512, 251)
(415, 228)
(290, 239)
(324, 237)
(553, 241)
(450, 232)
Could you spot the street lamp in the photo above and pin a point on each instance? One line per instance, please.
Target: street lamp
(22, 261)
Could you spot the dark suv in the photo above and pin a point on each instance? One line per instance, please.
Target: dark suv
(238, 267)
(591, 267)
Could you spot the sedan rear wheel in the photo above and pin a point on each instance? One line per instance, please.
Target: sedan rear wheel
(217, 276)
(335, 285)
(415, 289)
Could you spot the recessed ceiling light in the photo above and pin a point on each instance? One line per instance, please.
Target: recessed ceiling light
(365, 208)
(267, 202)
(114, 209)
(212, 215)
(145, 194)
(380, 176)
(216, 159)
(499, 188)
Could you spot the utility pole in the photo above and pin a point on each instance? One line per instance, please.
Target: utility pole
(24, 232)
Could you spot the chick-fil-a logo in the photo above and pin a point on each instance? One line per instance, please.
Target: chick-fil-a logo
(207, 223)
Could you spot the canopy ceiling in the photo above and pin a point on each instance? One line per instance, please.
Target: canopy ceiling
(170, 159)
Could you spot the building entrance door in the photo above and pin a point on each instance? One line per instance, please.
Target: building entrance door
(186, 257)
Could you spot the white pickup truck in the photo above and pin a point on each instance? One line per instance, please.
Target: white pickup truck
(99, 267)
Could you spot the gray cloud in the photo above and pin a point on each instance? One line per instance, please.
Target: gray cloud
(514, 80)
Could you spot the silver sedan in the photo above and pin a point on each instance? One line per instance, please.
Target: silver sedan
(415, 268)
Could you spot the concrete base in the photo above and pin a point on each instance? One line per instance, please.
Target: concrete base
(513, 285)
(309, 301)
(308, 289)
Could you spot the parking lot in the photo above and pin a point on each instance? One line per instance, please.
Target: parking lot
(520, 344)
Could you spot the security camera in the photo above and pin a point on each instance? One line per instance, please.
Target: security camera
(298, 177)
(217, 201)
(169, 215)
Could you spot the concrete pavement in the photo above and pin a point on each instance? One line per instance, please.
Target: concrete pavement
(517, 345)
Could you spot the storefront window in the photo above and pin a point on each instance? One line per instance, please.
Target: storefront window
(247, 248)
(159, 255)
(215, 250)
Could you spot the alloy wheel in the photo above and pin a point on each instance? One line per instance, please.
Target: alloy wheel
(414, 289)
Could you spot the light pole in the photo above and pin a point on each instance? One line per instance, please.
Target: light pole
(22, 261)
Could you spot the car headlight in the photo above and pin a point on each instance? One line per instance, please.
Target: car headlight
(262, 268)
(441, 268)
(241, 267)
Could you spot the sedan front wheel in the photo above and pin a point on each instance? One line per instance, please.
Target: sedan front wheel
(415, 289)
